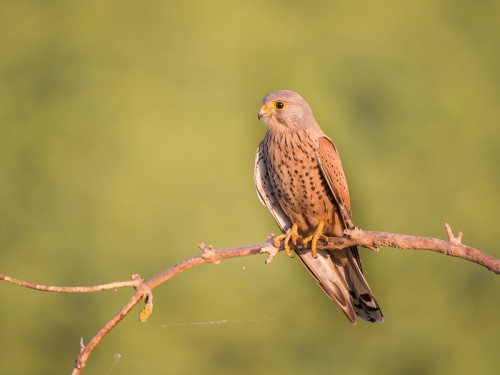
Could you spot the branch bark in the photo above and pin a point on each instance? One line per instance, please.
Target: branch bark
(143, 288)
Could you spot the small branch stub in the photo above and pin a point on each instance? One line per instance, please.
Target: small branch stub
(451, 237)
(82, 345)
(271, 252)
(208, 253)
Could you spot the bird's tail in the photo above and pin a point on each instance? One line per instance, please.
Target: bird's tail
(339, 274)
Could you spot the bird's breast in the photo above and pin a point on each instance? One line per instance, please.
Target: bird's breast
(297, 182)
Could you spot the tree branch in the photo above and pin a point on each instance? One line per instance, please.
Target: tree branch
(143, 288)
(453, 247)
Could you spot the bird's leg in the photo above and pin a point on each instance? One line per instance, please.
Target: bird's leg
(291, 234)
(313, 238)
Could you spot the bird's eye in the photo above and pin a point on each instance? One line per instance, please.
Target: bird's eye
(279, 104)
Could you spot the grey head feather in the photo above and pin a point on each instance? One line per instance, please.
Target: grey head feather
(295, 115)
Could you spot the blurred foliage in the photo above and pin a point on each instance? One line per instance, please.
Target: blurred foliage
(127, 136)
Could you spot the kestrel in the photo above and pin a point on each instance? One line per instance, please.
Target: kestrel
(299, 177)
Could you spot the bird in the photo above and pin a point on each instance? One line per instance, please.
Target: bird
(299, 178)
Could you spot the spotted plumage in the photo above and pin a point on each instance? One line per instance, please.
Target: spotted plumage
(299, 177)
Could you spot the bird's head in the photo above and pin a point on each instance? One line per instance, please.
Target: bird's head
(286, 110)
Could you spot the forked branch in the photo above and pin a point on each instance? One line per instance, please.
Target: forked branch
(143, 288)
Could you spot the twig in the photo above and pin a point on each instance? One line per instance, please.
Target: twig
(143, 288)
(73, 289)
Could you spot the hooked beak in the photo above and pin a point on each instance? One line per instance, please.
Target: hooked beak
(264, 112)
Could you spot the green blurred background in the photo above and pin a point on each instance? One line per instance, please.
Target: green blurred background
(127, 136)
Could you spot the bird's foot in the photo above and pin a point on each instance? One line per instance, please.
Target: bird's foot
(292, 234)
(315, 237)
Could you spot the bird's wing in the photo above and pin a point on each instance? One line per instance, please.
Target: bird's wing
(265, 192)
(331, 168)
(345, 263)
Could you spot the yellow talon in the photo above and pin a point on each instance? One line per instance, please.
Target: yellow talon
(313, 238)
(291, 234)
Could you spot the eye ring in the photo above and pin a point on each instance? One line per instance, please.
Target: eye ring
(279, 104)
